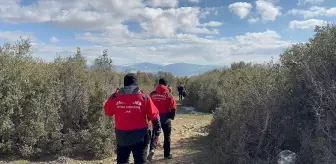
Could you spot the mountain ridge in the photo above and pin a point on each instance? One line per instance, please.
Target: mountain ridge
(177, 69)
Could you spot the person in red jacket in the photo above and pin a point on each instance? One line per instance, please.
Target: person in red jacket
(166, 104)
(132, 109)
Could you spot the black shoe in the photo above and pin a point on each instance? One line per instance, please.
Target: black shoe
(169, 157)
(150, 156)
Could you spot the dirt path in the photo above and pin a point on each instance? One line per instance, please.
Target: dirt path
(188, 140)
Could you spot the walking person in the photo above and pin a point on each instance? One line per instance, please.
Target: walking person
(131, 108)
(166, 104)
(180, 89)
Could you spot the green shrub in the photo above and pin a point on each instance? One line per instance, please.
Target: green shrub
(30, 102)
(204, 92)
(264, 109)
(54, 108)
(240, 126)
(310, 76)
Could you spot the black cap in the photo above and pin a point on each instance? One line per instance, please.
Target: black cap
(163, 81)
(130, 79)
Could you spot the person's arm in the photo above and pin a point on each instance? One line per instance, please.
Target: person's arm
(153, 115)
(109, 107)
(172, 107)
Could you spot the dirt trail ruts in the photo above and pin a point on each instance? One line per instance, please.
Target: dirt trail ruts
(189, 141)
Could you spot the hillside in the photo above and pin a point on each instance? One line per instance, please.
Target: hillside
(177, 69)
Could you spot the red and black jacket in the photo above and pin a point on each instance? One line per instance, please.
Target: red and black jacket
(164, 101)
(132, 109)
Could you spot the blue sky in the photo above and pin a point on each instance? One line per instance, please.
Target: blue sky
(213, 32)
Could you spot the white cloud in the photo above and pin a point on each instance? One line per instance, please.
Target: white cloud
(213, 24)
(242, 9)
(253, 20)
(255, 39)
(267, 10)
(163, 3)
(206, 12)
(310, 2)
(81, 14)
(170, 32)
(10, 36)
(306, 24)
(12, 12)
(110, 15)
(167, 22)
(54, 39)
(201, 31)
(248, 47)
(194, 1)
(314, 11)
(252, 47)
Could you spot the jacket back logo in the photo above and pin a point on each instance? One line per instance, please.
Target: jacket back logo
(120, 103)
(159, 97)
(137, 103)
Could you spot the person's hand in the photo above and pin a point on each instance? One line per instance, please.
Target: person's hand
(172, 114)
(156, 127)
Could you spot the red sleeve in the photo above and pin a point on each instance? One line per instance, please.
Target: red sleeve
(152, 111)
(172, 103)
(109, 107)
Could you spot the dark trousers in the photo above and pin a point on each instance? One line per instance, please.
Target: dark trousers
(166, 128)
(180, 96)
(139, 153)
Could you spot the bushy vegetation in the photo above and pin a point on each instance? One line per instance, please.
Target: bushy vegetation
(56, 108)
(148, 81)
(204, 91)
(265, 108)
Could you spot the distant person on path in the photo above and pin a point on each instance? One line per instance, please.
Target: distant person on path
(166, 104)
(180, 89)
(132, 108)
